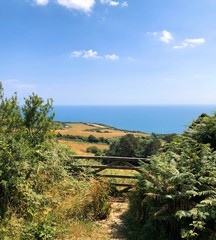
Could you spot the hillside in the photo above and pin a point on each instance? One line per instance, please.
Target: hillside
(75, 136)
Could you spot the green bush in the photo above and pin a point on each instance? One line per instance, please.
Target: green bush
(175, 198)
(93, 149)
(92, 139)
(131, 146)
(34, 182)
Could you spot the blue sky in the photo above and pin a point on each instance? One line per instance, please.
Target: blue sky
(109, 52)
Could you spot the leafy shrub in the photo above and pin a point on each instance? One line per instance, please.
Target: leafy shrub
(125, 147)
(175, 198)
(93, 149)
(92, 139)
(131, 146)
(40, 231)
(33, 177)
(204, 130)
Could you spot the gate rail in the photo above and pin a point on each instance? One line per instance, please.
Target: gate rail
(117, 163)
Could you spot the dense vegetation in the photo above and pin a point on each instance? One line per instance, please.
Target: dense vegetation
(131, 146)
(38, 197)
(91, 138)
(176, 196)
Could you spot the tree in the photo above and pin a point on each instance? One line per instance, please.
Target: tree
(10, 114)
(38, 119)
(204, 130)
(148, 147)
(26, 136)
(126, 147)
(34, 182)
(131, 146)
(92, 139)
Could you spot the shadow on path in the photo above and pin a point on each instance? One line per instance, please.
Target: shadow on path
(115, 222)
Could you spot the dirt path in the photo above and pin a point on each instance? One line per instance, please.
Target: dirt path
(113, 227)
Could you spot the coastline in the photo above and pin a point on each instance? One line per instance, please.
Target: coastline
(159, 119)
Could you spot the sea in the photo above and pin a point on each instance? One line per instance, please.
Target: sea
(160, 119)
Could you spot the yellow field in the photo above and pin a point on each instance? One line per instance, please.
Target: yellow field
(80, 147)
(97, 130)
(86, 129)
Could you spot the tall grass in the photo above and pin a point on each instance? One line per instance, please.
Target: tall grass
(67, 204)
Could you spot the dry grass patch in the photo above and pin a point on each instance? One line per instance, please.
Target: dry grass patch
(80, 147)
(88, 231)
(76, 205)
(122, 172)
(85, 129)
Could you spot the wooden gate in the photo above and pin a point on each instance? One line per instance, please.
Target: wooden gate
(117, 163)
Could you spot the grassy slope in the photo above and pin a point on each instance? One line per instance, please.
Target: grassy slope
(97, 130)
(80, 147)
(86, 129)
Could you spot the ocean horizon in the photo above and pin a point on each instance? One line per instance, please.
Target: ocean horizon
(158, 119)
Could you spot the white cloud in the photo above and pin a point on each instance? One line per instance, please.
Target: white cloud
(166, 37)
(42, 2)
(112, 57)
(76, 54)
(114, 3)
(124, 4)
(84, 5)
(190, 42)
(91, 54)
(163, 36)
(182, 45)
(85, 54)
(195, 41)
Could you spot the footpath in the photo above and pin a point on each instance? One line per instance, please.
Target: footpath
(113, 226)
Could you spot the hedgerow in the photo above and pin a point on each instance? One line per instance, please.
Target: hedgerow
(176, 196)
(34, 183)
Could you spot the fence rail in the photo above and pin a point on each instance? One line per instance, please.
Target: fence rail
(116, 163)
(110, 158)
